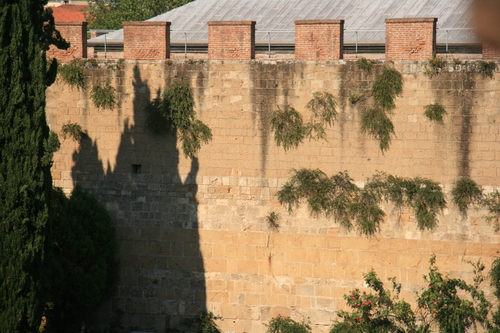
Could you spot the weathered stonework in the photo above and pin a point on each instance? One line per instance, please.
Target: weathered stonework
(193, 233)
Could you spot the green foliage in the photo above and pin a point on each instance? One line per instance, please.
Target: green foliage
(72, 130)
(365, 64)
(51, 145)
(289, 127)
(452, 313)
(174, 112)
(492, 203)
(495, 283)
(339, 198)
(386, 87)
(204, 322)
(336, 197)
(377, 123)
(375, 120)
(322, 106)
(355, 96)
(273, 221)
(281, 324)
(438, 305)
(72, 73)
(486, 68)
(424, 196)
(435, 65)
(103, 96)
(381, 311)
(435, 112)
(51, 75)
(84, 266)
(26, 32)
(104, 14)
(466, 192)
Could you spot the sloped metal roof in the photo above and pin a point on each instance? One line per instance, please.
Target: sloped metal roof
(364, 19)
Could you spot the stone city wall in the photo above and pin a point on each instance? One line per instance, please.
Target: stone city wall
(193, 233)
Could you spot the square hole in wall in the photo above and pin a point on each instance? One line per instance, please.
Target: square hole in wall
(136, 169)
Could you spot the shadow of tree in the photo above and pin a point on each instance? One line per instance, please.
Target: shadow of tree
(156, 217)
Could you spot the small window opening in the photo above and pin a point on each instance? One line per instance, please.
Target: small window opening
(136, 168)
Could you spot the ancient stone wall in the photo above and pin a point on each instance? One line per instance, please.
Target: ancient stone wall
(193, 233)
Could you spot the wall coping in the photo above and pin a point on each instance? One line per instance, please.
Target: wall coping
(148, 23)
(75, 23)
(231, 23)
(300, 22)
(411, 20)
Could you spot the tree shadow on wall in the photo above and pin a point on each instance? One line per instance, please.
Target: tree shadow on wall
(156, 218)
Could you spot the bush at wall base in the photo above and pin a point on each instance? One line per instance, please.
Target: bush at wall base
(84, 267)
(445, 305)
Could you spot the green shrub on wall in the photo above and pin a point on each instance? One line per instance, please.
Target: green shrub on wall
(375, 120)
(435, 112)
(466, 192)
(174, 112)
(103, 96)
(72, 130)
(339, 198)
(290, 129)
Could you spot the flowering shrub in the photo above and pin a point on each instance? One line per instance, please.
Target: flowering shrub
(445, 305)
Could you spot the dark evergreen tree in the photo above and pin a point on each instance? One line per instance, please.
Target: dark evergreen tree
(26, 31)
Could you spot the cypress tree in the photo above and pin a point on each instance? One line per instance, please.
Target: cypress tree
(25, 180)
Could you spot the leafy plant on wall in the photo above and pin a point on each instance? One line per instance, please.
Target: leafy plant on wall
(338, 197)
(375, 120)
(174, 111)
(290, 129)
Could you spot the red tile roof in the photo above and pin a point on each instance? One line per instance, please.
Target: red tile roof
(69, 13)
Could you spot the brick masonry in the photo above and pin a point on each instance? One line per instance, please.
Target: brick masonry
(319, 39)
(146, 40)
(231, 40)
(490, 52)
(193, 233)
(410, 38)
(76, 34)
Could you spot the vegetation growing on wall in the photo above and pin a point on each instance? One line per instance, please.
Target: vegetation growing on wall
(435, 65)
(435, 112)
(365, 64)
(103, 96)
(438, 65)
(174, 112)
(339, 198)
(377, 123)
(445, 305)
(375, 120)
(290, 129)
(486, 68)
(466, 192)
(72, 130)
(492, 203)
(281, 324)
(73, 73)
(273, 221)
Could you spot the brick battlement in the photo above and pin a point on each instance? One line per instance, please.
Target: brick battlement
(406, 39)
